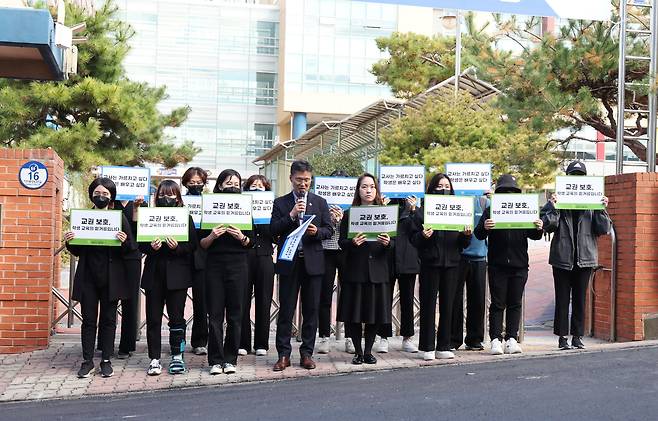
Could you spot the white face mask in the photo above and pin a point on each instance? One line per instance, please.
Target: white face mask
(256, 188)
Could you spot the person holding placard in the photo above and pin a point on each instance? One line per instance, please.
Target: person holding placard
(302, 276)
(101, 279)
(508, 272)
(226, 280)
(194, 180)
(574, 255)
(365, 292)
(404, 265)
(168, 273)
(440, 252)
(260, 280)
(334, 262)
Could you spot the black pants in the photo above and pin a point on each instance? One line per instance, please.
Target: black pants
(406, 285)
(92, 296)
(357, 331)
(226, 279)
(156, 299)
(261, 282)
(333, 261)
(130, 309)
(443, 281)
(200, 312)
(472, 273)
(570, 285)
(298, 282)
(506, 285)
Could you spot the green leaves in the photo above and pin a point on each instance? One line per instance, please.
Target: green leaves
(325, 164)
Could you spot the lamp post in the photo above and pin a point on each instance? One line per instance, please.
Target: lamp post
(450, 21)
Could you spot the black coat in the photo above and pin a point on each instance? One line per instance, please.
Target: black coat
(591, 224)
(442, 249)
(406, 258)
(366, 263)
(263, 240)
(281, 225)
(507, 247)
(119, 282)
(180, 262)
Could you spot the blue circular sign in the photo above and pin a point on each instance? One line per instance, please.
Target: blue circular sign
(33, 175)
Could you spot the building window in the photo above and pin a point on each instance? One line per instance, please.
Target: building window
(265, 88)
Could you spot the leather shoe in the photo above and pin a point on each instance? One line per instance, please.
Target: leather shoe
(369, 359)
(307, 362)
(358, 359)
(281, 364)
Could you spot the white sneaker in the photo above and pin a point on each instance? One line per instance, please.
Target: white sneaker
(445, 355)
(229, 368)
(261, 352)
(155, 369)
(216, 369)
(349, 346)
(429, 355)
(496, 347)
(200, 350)
(242, 352)
(323, 346)
(409, 346)
(383, 346)
(512, 347)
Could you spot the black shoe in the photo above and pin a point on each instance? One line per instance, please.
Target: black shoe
(369, 359)
(475, 347)
(124, 355)
(85, 369)
(577, 342)
(358, 359)
(563, 344)
(106, 369)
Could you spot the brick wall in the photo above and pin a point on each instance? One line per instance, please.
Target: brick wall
(30, 234)
(634, 212)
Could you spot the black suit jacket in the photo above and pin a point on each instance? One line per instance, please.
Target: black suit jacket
(180, 261)
(281, 225)
(368, 262)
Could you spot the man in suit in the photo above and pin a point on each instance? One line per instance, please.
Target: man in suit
(307, 267)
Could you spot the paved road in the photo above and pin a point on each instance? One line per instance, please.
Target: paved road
(601, 385)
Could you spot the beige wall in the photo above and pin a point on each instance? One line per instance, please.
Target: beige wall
(416, 19)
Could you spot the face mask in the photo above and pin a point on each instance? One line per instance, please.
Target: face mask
(441, 191)
(166, 202)
(195, 190)
(100, 202)
(256, 188)
(231, 190)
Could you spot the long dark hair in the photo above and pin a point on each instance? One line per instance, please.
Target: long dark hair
(435, 182)
(357, 197)
(168, 187)
(108, 184)
(255, 177)
(223, 176)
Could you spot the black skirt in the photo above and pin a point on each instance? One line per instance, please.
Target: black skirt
(364, 303)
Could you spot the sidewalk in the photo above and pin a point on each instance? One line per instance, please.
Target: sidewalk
(51, 373)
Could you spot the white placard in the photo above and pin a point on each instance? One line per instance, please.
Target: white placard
(511, 211)
(579, 192)
(163, 222)
(226, 209)
(95, 227)
(337, 191)
(261, 206)
(131, 182)
(372, 221)
(193, 204)
(290, 245)
(448, 212)
(469, 179)
(399, 182)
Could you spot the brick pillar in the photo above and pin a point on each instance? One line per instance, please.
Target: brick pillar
(30, 233)
(634, 211)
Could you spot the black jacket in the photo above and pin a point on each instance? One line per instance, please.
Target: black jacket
(367, 262)
(406, 257)
(591, 224)
(281, 225)
(263, 240)
(507, 247)
(442, 249)
(119, 281)
(180, 261)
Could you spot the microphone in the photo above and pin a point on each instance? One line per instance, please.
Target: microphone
(301, 214)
